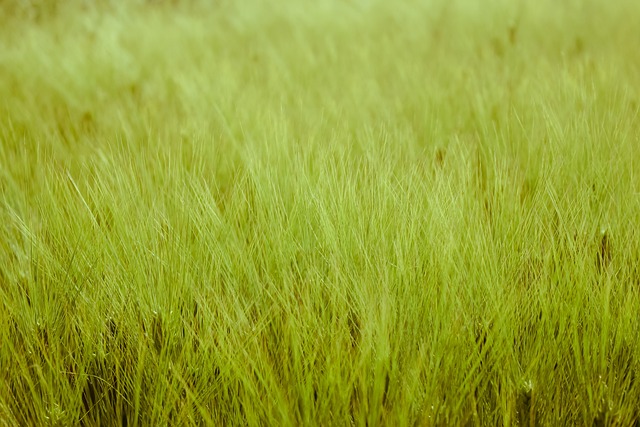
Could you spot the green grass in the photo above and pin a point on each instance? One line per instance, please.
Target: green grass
(319, 213)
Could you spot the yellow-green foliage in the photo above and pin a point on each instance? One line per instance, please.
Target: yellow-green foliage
(328, 212)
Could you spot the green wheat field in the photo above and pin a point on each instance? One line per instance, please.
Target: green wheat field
(332, 213)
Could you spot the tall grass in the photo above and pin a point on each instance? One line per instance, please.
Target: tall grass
(319, 213)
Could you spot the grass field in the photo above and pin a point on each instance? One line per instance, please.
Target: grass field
(330, 213)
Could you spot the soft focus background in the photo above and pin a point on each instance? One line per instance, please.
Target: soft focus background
(335, 212)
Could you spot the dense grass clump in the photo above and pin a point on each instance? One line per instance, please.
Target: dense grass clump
(319, 213)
